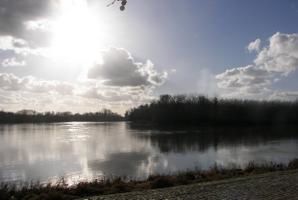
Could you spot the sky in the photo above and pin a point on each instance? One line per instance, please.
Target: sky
(82, 56)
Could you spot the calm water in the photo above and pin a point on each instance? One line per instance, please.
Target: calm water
(80, 151)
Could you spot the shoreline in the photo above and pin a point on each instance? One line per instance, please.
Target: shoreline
(119, 185)
(265, 186)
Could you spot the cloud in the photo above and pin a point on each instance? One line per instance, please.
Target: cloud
(281, 55)
(289, 95)
(42, 25)
(14, 14)
(244, 76)
(26, 28)
(254, 46)
(119, 68)
(9, 43)
(244, 81)
(133, 95)
(20, 47)
(10, 82)
(43, 95)
(24, 25)
(272, 63)
(13, 62)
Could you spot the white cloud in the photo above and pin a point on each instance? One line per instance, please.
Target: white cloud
(26, 27)
(288, 95)
(10, 82)
(119, 68)
(281, 55)
(272, 63)
(244, 77)
(245, 82)
(44, 25)
(78, 97)
(12, 43)
(13, 62)
(254, 46)
(20, 47)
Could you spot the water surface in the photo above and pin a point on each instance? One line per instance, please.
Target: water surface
(83, 150)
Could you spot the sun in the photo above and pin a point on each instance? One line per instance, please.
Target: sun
(77, 33)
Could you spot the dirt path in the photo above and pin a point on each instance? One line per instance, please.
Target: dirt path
(270, 186)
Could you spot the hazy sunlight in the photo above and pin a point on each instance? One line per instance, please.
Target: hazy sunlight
(78, 34)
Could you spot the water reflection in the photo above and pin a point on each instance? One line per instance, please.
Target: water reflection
(200, 140)
(87, 150)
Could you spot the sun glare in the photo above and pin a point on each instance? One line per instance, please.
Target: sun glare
(77, 34)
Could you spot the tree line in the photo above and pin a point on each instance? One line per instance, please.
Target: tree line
(31, 116)
(200, 110)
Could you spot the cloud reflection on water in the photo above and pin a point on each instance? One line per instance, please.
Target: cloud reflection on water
(80, 151)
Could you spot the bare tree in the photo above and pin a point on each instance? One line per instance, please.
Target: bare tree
(123, 4)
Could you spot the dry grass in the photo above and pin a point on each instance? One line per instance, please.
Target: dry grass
(61, 190)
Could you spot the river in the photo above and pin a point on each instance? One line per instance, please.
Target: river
(84, 150)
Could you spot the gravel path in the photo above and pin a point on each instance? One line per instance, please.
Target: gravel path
(270, 186)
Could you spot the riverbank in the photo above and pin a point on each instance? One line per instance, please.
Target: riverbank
(269, 186)
(120, 185)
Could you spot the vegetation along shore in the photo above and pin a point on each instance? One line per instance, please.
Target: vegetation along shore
(203, 111)
(105, 186)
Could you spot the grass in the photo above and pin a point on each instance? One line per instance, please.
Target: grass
(61, 190)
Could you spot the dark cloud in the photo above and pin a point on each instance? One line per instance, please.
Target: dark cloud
(120, 69)
(15, 13)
